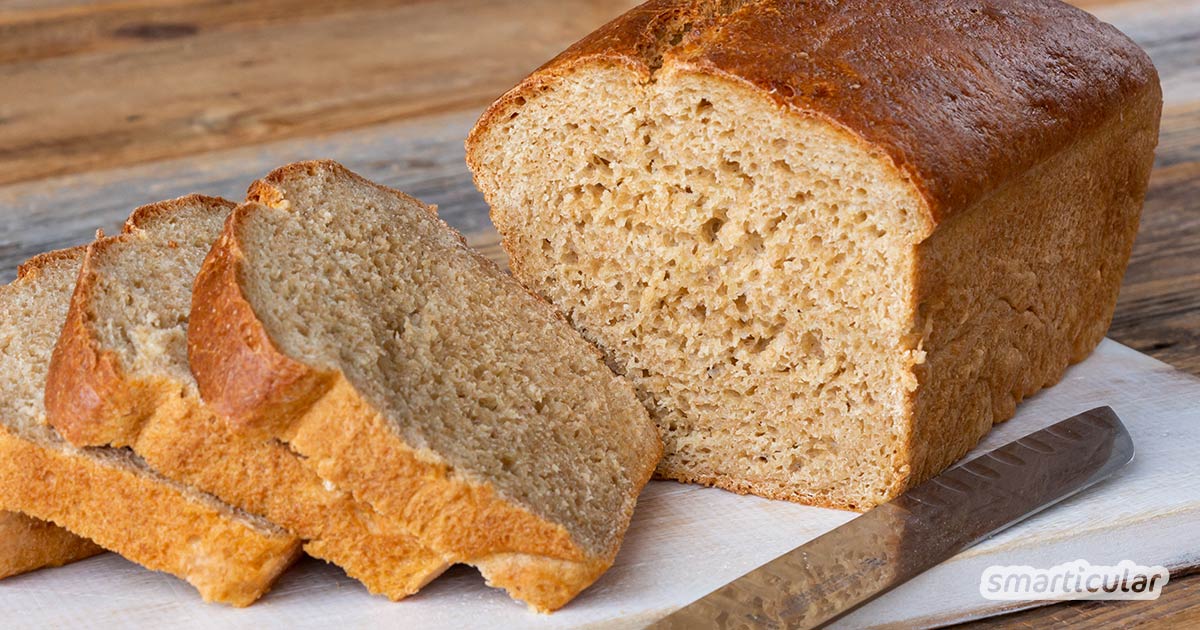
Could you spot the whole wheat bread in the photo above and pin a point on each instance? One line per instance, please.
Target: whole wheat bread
(346, 319)
(119, 377)
(110, 495)
(830, 242)
(27, 544)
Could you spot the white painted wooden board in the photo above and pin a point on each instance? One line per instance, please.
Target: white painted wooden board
(686, 541)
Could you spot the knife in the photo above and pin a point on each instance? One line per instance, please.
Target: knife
(890, 544)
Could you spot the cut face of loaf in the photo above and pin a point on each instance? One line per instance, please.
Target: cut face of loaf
(27, 544)
(829, 254)
(119, 377)
(349, 321)
(110, 495)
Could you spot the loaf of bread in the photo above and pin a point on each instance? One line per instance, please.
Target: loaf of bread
(110, 495)
(119, 377)
(347, 320)
(831, 243)
(27, 544)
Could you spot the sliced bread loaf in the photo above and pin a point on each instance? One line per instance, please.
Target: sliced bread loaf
(110, 495)
(830, 242)
(28, 543)
(346, 319)
(119, 377)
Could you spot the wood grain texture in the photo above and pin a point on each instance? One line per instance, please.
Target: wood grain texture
(108, 105)
(214, 76)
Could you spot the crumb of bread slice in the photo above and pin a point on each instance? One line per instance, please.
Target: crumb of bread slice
(346, 319)
(119, 377)
(28, 544)
(110, 495)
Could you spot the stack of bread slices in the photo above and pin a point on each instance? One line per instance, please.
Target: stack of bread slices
(326, 367)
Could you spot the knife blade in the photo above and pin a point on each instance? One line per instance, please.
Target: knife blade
(890, 544)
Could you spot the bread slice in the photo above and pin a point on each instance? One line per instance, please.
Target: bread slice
(346, 319)
(830, 242)
(119, 377)
(110, 495)
(27, 544)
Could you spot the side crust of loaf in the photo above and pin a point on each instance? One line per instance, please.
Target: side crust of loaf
(28, 544)
(165, 422)
(247, 379)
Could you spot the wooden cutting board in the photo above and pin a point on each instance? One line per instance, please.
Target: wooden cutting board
(686, 540)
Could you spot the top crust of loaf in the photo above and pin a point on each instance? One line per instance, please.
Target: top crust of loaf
(961, 96)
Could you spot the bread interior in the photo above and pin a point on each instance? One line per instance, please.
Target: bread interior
(142, 303)
(749, 268)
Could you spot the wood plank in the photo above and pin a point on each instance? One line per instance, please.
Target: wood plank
(31, 31)
(1159, 307)
(265, 80)
(423, 157)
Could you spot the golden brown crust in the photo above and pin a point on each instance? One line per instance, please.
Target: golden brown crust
(88, 399)
(31, 268)
(85, 386)
(28, 544)
(181, 438)
(186, 441)
(350, 444)
(146, 520)
(988, 89)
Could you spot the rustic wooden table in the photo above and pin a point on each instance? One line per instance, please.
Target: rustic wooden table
(106, 105)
